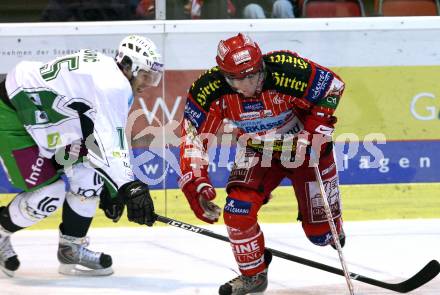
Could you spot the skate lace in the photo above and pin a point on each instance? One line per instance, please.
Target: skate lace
(6, 250)
(86, 254)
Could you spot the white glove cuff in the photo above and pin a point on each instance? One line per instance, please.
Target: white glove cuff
(201, 186)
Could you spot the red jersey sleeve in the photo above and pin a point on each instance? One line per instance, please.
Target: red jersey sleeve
(201, 120)
(313, 88)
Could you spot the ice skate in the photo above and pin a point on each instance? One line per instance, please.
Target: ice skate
(76, 260)
(245, 285)
(9, 262)
(242, 284)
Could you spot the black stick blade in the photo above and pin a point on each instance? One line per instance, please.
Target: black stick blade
(430, 271)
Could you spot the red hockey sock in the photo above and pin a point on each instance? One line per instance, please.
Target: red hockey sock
(248, 249)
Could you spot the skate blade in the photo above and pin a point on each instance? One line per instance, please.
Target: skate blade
(9, 273)
(260, 291)
(78, 270)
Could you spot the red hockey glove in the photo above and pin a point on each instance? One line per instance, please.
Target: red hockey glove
(317, 131)
(320, 125)
(199, 192)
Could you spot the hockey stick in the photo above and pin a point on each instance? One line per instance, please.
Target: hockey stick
(328, 214)
(430, 271)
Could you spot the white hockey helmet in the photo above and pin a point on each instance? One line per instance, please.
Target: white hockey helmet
(139, 53)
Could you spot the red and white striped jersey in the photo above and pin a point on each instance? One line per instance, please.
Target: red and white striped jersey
(297, 94)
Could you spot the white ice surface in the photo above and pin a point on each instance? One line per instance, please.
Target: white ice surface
(171, 261)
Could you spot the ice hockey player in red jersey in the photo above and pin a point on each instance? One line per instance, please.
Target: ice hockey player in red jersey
(282, 106)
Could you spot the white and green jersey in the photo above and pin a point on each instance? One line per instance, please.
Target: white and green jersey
(79, 96)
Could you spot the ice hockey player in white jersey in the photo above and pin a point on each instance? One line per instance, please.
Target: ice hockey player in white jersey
(65, 120)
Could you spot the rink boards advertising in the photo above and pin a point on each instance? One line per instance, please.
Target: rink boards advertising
(388, 119)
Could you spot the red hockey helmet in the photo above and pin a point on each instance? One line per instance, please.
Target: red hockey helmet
(239, 56)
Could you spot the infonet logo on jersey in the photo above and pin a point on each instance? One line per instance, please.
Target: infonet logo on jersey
(33, 168)
(33, 178)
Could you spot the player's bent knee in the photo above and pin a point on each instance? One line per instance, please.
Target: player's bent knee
(321, 240)
(237, 214)
(85, 187)
(241, 208)
(320, 233)
(28, 208)
(84, 206)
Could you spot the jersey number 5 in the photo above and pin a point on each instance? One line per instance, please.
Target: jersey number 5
(50, 70)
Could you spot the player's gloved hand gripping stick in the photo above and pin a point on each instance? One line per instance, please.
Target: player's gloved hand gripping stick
(199, 192)
(136, 196)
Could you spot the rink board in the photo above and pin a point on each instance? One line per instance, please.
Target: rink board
(393, 162)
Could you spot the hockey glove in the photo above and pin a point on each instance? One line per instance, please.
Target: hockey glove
(317, 131)
(112, 207)
(199, 192)
(315, 124)
(140, 207)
